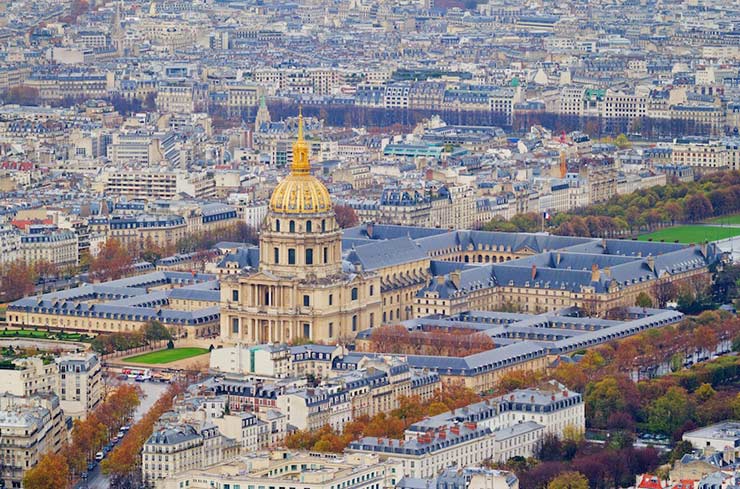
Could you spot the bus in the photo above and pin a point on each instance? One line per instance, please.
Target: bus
(139, 374)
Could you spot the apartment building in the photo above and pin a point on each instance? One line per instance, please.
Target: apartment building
(172, 450)
(30, 376)
(80, 387)
(148, 184)
(42, 243)
(241, 97)
(75, 85)
(10, 243)
(553, 406)
(30, 427)
(706, 155)
(464, 444)
(292, 470)
(246, 429)
(138, 232)
(600, 177)
(182, 97)
(76, 378)
(312, 409)
(143, 148)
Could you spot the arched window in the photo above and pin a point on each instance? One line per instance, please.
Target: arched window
(354, 293)
(291, 226)
(309, 226)
(323, 225)
(291, 256)
(309, 256)
(276, 253)
(277, 225)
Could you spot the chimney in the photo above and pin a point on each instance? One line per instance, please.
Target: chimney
(455, 277)
(603, 243)
(651, 263)
(369, 229)
(703, 248)
(441, 279)
(534, 271)
(557, 259)
(595, 273)
(607, 272)
(531, 399)
(565, 393)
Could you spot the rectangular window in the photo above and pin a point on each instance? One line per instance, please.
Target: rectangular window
(235, 295)
(326, 254)
(372, 319)
(291, 256)
(331, 330)
(372, 289)
(309, 256)
(276, 255)
(306, 301)
(235, 325)
(354, 323)
(306, 330)
(331, 299)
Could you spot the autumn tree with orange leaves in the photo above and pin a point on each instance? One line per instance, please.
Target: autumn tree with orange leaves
(123, 464)
(455, 343)
(51, 471)
(112, 262)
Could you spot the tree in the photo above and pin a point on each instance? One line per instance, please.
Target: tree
(548, 448)
(602, 399)
(670, 411)
(156, 331)
(698, 207)
(643, 300)
(112, 263)
(664, 292)
(346, 216)
(569, 480)
(622, 142)
(22, 95)
(17, 281)
(51, 471)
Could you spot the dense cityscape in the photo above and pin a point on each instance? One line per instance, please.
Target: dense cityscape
(369, 244)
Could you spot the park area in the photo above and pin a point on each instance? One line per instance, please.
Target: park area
(691, 234)
(726, 220)
(44, 335)
(167, 356)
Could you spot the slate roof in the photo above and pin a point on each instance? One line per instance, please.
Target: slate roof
(386, 253)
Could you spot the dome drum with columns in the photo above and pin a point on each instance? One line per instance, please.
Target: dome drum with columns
(300, 290)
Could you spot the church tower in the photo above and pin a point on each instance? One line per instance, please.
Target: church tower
(301, 289)
(116, 32)
(263, 114)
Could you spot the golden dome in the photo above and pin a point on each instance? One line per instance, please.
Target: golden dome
(300, 192)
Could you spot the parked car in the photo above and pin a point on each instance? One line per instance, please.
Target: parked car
(99, 456)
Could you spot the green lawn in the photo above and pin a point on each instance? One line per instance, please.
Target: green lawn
(733, 219)
(24, 333)
(691, 234)
(167, 356)
(43, 334)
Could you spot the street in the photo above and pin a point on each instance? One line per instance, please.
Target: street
(151, 392)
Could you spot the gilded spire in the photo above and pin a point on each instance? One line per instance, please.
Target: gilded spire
(301, 165)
